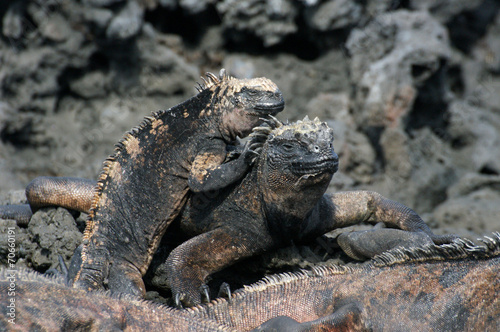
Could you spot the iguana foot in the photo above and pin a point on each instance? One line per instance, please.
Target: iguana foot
(189, 264)
(191, 297)
(182, 299)
(118, 280)
(126, 279)
(364, 245)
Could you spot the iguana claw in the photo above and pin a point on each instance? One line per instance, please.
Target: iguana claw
(178, 300)
(205, 295)
(55, 272)
(224, 291)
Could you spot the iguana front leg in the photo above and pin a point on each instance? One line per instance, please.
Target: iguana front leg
(209, 172)
(350, 208)
(192, 262)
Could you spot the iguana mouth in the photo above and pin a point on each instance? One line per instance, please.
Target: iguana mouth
(323, 166)
(269, 108)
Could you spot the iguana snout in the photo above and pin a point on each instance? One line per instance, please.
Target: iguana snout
(315, 166)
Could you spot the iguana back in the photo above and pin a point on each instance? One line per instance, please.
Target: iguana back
(32, 302)
(452, 287)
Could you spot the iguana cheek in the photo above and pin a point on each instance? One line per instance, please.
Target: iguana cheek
(246, 122)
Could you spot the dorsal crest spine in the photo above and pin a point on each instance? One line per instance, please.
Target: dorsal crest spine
(211, 80)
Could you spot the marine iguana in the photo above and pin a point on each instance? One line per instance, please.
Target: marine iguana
(146, 182)
(453, 287)
(262, 211)
(281, 200)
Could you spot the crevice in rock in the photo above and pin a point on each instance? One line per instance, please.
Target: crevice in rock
(488, 170)
(430, 108)
(191, 27)
(374, 133)
(17, 134)
(469, 26)
(455, 81)
(399, 4)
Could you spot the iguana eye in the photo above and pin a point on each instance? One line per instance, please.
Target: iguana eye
(287, 147)
(249, 91)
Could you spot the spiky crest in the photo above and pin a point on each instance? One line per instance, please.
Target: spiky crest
(24, 275)
(212, 80)
(119, 147)
(303, 127)
(459, 249)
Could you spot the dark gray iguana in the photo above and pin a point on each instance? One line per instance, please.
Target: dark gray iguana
(146, 182)
(453, 287)
(281, 200)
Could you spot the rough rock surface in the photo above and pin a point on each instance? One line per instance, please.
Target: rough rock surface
(410, 87)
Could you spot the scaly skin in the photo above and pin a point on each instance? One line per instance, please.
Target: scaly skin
(46, 304)
(146, 182)
(68, 192)
(453, 287)
(281, 200)
(431, 288)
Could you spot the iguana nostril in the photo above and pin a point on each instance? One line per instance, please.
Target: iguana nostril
(316, 148)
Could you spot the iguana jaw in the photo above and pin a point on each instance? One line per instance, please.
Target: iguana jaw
(315, 167)
(272, 107)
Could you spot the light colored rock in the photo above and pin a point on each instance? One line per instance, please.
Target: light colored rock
(334, 14)
(269, 20)
(127, 23)
(391, 58)
(478, 212)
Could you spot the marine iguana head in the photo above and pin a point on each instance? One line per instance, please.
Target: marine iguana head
(243, 103)
(296, 162)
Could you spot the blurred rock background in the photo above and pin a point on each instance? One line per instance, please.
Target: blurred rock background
(412, 88)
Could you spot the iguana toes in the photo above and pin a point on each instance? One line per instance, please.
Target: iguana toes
(281, 200)
(451, 287)
(145, 183)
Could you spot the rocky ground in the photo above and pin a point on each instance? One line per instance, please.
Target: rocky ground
(410, 87)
